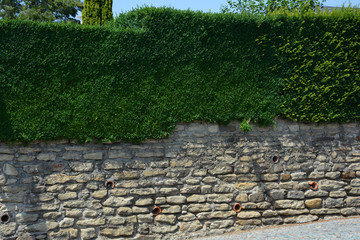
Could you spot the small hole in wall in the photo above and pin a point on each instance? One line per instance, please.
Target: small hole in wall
(358, 138)
(5, 218)
(156, 210)
(313, 185)
(275, 159)
(237, 207)
(109, 184)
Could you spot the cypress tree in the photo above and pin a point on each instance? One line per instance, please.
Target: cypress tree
(97, 12)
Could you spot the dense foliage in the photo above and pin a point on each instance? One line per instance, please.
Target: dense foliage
(268, 6)
(97, 12)
(49, 10)
(154, 67)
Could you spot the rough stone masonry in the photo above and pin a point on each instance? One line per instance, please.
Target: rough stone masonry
(181, 187)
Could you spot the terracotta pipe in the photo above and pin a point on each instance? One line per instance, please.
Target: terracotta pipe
(237, 207)
(275, 159)
(156, 210)
(313, 185)
(109, 184)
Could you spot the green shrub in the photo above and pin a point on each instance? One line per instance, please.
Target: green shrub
(135, 78)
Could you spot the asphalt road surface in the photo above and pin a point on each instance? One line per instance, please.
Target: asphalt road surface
(340, 229)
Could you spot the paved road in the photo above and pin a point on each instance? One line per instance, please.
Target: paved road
(341, 229)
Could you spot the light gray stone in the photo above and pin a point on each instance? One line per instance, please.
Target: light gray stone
(118, 231)
(10, 170)
(88, 233)
(292, 204)
(118, 201)
(190, 226)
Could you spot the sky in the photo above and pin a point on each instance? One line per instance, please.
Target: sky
(121, 6)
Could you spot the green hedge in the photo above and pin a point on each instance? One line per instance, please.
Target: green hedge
(135, 78)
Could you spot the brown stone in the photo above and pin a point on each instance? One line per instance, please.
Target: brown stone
(313, 203)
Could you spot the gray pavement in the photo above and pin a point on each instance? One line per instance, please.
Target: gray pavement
(340, 229)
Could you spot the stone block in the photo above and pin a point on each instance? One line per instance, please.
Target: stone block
(116, 221)
(215, 215)
(221, 170)
(333, 203)
(248, 222)
(143, 191)
(332, 175)
(330, 185)
(10, 170)
(352, 201)
(93, 156)
(67, 196)
(219, 198)
(277, 194)
(301, 219)
(75, 213)
(313, 203)
(324, 211)
(195, 208)
(191, 226)
(285, 177)
(118, 192)
(269, 213)
(69, 233)
(319, 193)
(120, 231)
(196, 199)
(154, 173)
(112, 165)
(137, 210)
(348, 211)
(248, 214)
(316, 175)
(46, 156)
(348, 175)
(221, 224)
(209, 180)
(66, 222)
(242, 197)
(338, 194)
(91, 222)
(164, 229)
(222, 207)
(270, 177)
(124, 211)
(295, 195)
(190, 189)
(119, 154)
(292, 212)
(118, 201)
(171, 210)
(81, 166)
(42, 227)
(272, 221)
(256, 197)
(292, 204)
(245, 186)
(126, 175)
(169, 191)
(144, 202)
(223, 189)
(166, 218)
(88, 233)
(99, 194)
(27, 217)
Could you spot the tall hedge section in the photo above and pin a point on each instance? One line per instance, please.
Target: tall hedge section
(152, 67)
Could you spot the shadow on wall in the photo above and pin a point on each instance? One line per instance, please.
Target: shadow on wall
(5, 121)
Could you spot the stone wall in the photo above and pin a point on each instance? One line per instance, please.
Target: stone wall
(63, 190)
